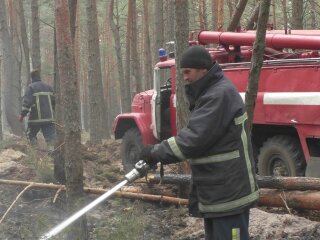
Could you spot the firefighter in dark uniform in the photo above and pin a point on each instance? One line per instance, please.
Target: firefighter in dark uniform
(39, 102)
(217, 145)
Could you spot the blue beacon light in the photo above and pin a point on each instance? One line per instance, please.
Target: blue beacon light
(163, 54)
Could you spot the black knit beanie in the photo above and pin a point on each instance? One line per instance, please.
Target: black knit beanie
(196, 57)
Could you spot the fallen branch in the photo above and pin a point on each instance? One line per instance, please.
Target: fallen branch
(124, 193)
(293, 199)
(268, 197)
(287, 183)
(20, 194)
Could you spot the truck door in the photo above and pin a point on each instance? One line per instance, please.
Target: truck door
(160, 103)
(155, 105)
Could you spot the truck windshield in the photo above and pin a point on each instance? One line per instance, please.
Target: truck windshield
(165, 77)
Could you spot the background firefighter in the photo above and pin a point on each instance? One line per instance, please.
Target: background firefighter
(39, 102)
(218, 147)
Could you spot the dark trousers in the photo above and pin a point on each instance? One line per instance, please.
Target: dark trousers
(234, 227)
(47, 130)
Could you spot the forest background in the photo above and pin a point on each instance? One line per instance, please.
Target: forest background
(99, 54)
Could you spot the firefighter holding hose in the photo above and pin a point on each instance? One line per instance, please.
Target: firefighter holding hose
(217, 144)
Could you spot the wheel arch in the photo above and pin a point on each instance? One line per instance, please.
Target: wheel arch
(124, 122)
(262, 132)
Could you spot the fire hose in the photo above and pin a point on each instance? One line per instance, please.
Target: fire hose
(140, 170)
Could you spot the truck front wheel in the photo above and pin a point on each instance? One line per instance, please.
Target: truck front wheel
(281, 156)
(130, 148)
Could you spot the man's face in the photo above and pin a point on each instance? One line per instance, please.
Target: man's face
(191, 75)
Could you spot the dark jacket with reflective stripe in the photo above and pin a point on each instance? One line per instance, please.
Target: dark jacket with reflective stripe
(39, 101)
(217, 145)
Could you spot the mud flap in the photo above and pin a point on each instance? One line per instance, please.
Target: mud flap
(313, 167)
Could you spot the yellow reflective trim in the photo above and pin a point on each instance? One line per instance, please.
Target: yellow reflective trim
(216, 158)
(42, 120)
(235, 233)
(42, 94)
(241, 119)
(229, 206)
(175, 148)
(38, 106)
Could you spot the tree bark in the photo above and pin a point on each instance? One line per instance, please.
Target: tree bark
(214, 10)
(297, 14)
(252, 23)
(313, 14)
(24, 42)
(147, 59)
(274, 18)
(181, 43)
(126, 91)
(114, 94)
(169, 15)
(135, 64)
(220, 19)
(71, 115)
(73, 16)
(290, 199)
(203, 15)
(158, 28)
(59, 156)
(96, 97)
(285, 16)
(235, 21)
(257, 60)
(35, 38)
(1, 130)
(11, 88)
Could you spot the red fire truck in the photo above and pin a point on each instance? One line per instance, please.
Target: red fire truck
(286, 129)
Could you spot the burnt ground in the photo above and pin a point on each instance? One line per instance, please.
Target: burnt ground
(38, 210)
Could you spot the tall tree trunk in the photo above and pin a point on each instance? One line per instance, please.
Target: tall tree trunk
(73, 16)
(71, 115)
(181, 43)
(235, 21)
(169, 26)
(135, 64)
(252, 23)
(285, 15)
(214, 10)
(297, 14)
(313, 14)
(158, 28)
(35, 38)
(58, 157)
(220, 19)
(11, 89)
(147, 70)
(203, 15)
(96, 98)
(126, 96)
(1, 130)
(231, 5)
(274, 18)
(115, 28)
(257, 60)
(24, 42)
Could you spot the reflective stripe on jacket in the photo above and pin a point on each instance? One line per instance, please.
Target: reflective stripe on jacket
(39, 101)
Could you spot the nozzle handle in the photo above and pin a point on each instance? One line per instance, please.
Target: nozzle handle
(140, 170)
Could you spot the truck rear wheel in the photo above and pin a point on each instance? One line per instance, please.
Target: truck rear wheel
(281, 156)
(130, 148)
